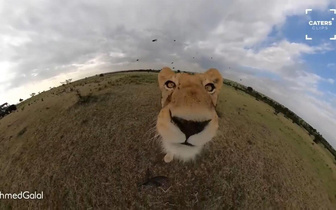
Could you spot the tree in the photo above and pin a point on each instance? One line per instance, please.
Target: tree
(276, 112)
(68, 81)
(318, 137)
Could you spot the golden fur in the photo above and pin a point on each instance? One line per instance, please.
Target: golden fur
(188, 118)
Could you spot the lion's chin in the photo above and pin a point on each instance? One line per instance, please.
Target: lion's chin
(175, 144)
(182, 151)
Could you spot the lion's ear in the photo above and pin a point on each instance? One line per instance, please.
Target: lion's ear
(215, 76)
(165, 74)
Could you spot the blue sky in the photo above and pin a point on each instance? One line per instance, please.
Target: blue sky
(322, 64)
(295, 28)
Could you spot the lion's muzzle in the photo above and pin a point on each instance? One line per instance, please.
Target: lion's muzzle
(188, 127)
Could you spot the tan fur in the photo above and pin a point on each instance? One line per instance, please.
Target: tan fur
(191, 101)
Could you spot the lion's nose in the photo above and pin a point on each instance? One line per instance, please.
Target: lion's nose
(189, 127)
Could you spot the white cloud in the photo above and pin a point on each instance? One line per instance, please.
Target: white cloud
(331, 81)
(273, 58)
(5, 68)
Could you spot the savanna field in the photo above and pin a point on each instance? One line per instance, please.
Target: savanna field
(92, 144)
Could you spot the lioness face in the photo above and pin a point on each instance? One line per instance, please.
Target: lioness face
(188, 118)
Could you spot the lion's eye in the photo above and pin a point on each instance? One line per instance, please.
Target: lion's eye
(170, 84)
(210, 87)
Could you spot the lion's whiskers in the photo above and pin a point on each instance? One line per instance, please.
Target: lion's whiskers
(151, 134)
(154, 139)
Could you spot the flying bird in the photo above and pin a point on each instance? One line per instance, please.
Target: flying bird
(154, 40)
(137, 59)
(172, 62)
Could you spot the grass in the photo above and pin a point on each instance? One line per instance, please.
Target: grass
(96, 153)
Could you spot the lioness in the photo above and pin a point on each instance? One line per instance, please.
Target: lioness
(188, 118)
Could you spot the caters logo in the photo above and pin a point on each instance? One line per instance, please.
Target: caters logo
(320, 23)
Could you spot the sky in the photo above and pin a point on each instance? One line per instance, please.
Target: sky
(259, 43)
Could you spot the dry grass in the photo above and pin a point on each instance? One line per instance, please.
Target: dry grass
(95, 153)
